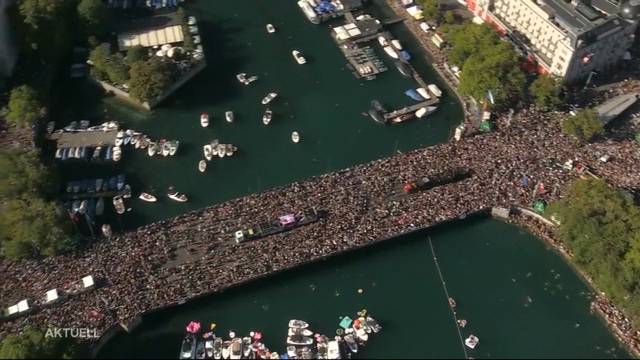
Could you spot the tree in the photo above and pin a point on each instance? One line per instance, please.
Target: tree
(33, 344)
(430, 8)
(36, 11)
(496, 69)
(546, 91)
(24, 175)
(99, 59)
(94, 15)
(150, 79)
(638, 137)
(585, 125)
(135, 54)
(24, 106)
(117, 70)
(469, 39)
(449, 17)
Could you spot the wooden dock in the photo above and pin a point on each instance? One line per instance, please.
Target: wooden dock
(84, 138)
(411, 108)
(362, 60)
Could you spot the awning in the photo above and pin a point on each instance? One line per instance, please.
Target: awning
(52, 295)
(23, 306)
(87, 281)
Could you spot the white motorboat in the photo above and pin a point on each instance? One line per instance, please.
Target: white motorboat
(270, 96)
(267, 116)
(204, 119)
(250, 79)
(119, 141)
(299, 58)
(220, 151)
(228, 115)
(202, 165)
(291, 352)
(236, 349)
(295, 137)
(226, 349)
(425, 111)
(117, 153)
(383, 41)
(208, 152)
(147, 197)
(396, 44)
(96, 152)
(299, 340)
(435, 90)
(242, 77)
(173, 147)
(362, 334)
(424, 93)
(152, 149)
(298, 324)
(59, 153)
(333, 348)
(118, 203)
(298, 331)
(174, 195)
(165, 148)
(271, 29)
(228, 150)
(351, 342)
(472, 341)
(389, 50)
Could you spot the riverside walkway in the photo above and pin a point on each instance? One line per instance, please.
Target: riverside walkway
(178, 259)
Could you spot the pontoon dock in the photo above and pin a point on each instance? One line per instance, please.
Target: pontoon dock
(84, 138)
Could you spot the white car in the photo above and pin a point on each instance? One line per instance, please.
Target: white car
(424, 26)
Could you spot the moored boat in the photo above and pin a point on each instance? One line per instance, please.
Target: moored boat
(396, 44)
(118, 203)
(424, 93)
(106, 230)
(472, 341)
(236, 349)
(425, 111)
(188, 347)
(165, 148)
(271, 29)
(59, 152)
(152, 149)
(147, 197)
(298, 324)
(100, 206)
(96, 152)
(267, 116)
(382, 41)
(217, 348)
(242, 77)
(204, 119)
(333, 350)
(250, 79)
(435, 90)
(404, 55)
(175, 195)
(117, 153)
(299, 340)
(228, 115)
(51, 126)
(299, 331)
(270, 96)
(173, 147)
(208, 151)
(295, 137)
(226, 349)
(351, 342)
(200, 350)
(402, 118)
(298, 57)
(202, 165)
(389, 50)
(412, 93)
(403, 68)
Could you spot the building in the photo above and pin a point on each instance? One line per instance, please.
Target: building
(152, 32)
(569, 39)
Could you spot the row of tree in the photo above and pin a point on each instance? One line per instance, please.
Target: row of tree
(601, 226)
(35, 344)
(32, 223)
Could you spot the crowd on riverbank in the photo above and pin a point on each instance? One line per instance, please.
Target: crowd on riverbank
(175, 260)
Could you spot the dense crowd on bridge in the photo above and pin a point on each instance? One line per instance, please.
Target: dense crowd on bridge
(172, 261)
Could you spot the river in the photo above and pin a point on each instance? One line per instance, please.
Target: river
(520, 298)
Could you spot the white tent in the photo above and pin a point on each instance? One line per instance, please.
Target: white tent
(23, 306)
(87, 281)
(12, 309)
(52, 295)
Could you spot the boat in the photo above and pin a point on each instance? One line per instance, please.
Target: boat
(333, 350)
(402, 118)
(83, 152)
(77, 153)
(166, 148)
(298, 324)
(375, 115)
(389, 50)
(404, 55)
(217, 348)
(271, 29)
(100, 206)
(202, 166)
(472, 341)
(118, 203)
(106, 230)
(270, 96)
(246, 348)
(298, 331)
(424, 93)
(200, 350)
(119, 141)
(383, 41)
(117, 153)
(295, 137)
(147, 197)
(298, 57)
(228, 115)
(242, 77)
(351, 343)
(96, 152)
(425, 111)
(120, 182)
(396, 44)
(228, 150)
(220, 151)
(226, 349)
(51, 125)
(208, 348)
(403, 68)
(414, 95)
(152, 149)
(435, 90)
(235, 351)
(173, 147)
(266, 117)
(175, 195)
(291, 352)
(299, 340)
(65, 154)
(127, 140)
(188, 348)
(84, 204)
(84, 124)
(204, 119)
(208, 151)
(71, 127)
(250, 79)
(59, 152)
(362, 334)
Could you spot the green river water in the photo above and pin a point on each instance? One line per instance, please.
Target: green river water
(520, 298)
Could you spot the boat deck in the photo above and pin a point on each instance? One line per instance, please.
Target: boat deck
(84, 138)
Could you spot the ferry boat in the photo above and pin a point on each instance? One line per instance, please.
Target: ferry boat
(204, 120)
(403, 68)
(438, 179)
(106, 230)
(298, 56)
(202, 165)
(295, 137)
(472, 341)
(271, 29)
(147, 197)
(270, 96)
(383, 41)
(283, 223)
(208, 151)
(396, 44)
(389, 50)
(175, 195)
(267, 116)
(118, 203)
(228, 115)
(188, 348)
(435, 90)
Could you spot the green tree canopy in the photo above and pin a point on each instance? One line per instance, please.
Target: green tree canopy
(33, 344)
(601, 226)
(24, 106)
(430, 8)
(449, 17)
(23, 174)
(94, 15)
(546, 91)
(469, 39)
(99, 58)
(584, 126)
(497, 69)
(135, 54)
(36, 11)
(117, 70)
(150, 79)
(638, 137)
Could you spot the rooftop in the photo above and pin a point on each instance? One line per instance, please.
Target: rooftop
(151, 31)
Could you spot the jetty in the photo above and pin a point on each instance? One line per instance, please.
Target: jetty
(95, 195)
(75, 139)
(410, 109)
